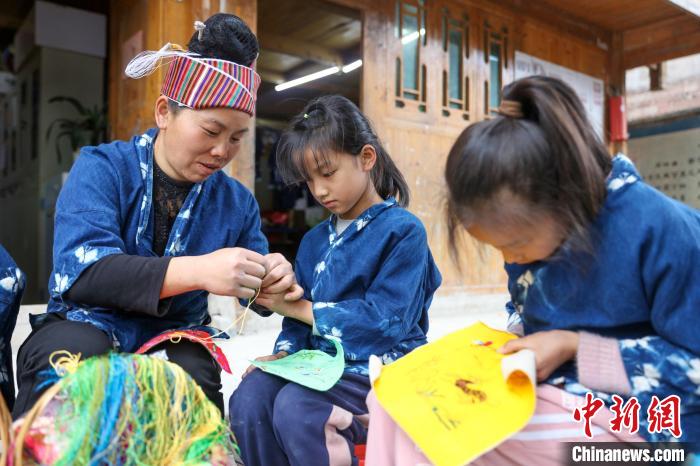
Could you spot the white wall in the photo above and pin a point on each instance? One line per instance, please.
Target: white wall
(671, 163)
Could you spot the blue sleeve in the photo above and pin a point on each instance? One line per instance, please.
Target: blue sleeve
(252, 238)
(670, 263)
(393, 304)
(88, 219)
(251, 235)
(12, 283)
(295, 335)
(668, 363)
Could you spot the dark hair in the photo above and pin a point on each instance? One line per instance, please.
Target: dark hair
(545, 152)
(333, 123)
(225, 37)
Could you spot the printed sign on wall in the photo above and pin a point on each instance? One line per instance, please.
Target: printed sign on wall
(590, 90)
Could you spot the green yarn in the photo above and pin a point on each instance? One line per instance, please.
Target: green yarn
(127, 409)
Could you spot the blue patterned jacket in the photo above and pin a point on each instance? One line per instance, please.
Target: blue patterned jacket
(640, 286)
(106, 207)
(371, 287)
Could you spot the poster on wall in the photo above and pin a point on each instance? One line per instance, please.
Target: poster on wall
(670, 161)
(590, 90)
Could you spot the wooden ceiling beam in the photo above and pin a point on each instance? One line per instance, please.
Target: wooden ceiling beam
(300, 48)
(271, 76)
(336, 8)
(688, 6)
(664, 40)
(555, 17)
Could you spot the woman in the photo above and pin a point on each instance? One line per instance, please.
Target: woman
(146, 229)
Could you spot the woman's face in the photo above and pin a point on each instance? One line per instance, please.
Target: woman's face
(193, 144)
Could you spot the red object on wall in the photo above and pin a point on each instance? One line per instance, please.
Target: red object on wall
(618, 119)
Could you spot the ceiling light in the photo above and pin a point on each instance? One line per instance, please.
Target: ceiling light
(318, 75)
(352, 66)
(307, 78)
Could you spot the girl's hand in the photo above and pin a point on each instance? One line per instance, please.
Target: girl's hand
(273, 301)
(271, 357)
(232, 272)
(280, 278)
(552, 349)
(301, 309)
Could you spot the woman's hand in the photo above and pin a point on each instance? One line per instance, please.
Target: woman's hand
(280, 278)
(233, 272)
(552, 349)
(271, 357)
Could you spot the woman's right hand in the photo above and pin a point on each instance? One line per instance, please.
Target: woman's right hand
(232, 272)
(271, 357)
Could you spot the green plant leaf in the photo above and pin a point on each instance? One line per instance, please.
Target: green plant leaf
(71, 100)
(63, 123)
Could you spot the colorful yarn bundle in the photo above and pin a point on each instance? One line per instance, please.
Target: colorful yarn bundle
(124, 409)
(5, 421)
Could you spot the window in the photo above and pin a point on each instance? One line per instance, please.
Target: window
(495, 56)
(455, 79)
(410, 74)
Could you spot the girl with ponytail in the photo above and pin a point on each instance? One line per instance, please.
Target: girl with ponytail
(368, 278)
(601, 271)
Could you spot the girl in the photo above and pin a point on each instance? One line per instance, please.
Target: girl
(11, 290)
(368, 279)
(146, 229)
(601, 270)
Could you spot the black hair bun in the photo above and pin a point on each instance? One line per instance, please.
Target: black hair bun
(226, 37)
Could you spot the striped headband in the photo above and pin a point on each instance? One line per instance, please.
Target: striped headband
(197, 82)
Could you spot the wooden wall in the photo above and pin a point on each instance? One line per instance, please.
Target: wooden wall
(420, 141)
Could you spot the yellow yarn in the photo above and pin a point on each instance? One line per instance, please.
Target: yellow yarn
(240, 318)
(66, 362)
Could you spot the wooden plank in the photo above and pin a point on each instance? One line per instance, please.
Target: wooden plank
(558, 19)
(300, 48)
(129, 111)
(690, 6)
(545, 42)
(616, 86)
(349, 10)
(618, 15)
(663, 51)
(661, 41)
(676, 27)
(242, 167)
(362, 5)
